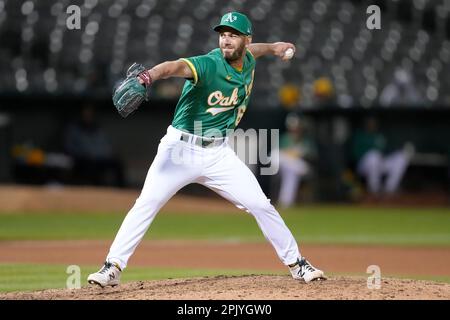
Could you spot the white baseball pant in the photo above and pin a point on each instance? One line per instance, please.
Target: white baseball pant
(177, 164)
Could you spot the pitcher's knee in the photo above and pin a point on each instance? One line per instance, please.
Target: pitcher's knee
(262, 205)
(150, 201)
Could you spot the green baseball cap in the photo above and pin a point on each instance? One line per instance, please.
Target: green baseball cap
(237, 21)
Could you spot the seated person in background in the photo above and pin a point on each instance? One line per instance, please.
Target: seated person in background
(91, 150)
(297, 150)
(368, 150)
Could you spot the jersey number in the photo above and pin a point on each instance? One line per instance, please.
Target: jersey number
(240, 114)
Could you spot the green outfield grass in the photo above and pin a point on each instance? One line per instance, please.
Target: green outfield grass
(29, 277)
(321, 225)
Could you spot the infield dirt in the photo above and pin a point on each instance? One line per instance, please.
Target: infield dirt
(254, 287)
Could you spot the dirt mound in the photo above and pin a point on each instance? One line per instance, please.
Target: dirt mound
(252, 287)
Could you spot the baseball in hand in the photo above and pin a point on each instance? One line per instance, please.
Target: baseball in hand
(289, 53)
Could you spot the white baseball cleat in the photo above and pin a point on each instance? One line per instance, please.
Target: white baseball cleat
(303, 270)
(108, 275)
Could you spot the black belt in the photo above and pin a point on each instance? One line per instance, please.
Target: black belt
(202, 141)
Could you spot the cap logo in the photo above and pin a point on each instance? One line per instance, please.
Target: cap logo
(230, 18)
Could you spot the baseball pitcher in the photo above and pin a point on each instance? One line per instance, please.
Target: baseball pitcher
(195, 149)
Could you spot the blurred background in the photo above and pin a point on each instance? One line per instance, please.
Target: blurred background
(364, 115)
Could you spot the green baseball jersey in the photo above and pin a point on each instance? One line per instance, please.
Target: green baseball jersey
(217, 97)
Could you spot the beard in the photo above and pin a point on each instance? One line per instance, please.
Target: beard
(235, 55)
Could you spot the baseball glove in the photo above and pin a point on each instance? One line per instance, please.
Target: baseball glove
(130, 93)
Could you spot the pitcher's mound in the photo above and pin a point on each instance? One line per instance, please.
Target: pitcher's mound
(257, 287)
